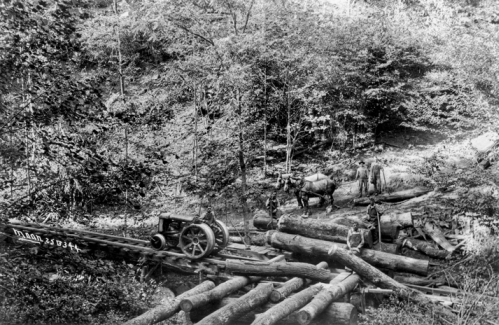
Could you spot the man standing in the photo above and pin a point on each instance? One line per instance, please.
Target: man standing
(375, 174)
(372, 218)
(355, 239)
(272, 204)
(362, 176)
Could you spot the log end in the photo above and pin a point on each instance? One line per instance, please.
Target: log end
(276, 296)
(186, 305)
(303, 317)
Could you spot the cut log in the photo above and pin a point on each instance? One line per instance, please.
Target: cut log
(425, 247)
(288, 306)
(238, 308)
(292, 285)
(319, 248)
(439, 238)
(335, 290)
(164, 311)
(228, 287)
(418, 280)
(257, 239)
(395, 196)
(392, 248)
(295, 269)
(383, 281)
(320, 229)
(262, 220)
(338, 313)
(403, 220)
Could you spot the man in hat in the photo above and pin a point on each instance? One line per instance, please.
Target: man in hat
(372, 218)
(208, 217)
(375, 173)
(362, 177)
(272, 204)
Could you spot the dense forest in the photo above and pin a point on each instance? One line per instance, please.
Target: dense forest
(111, 104)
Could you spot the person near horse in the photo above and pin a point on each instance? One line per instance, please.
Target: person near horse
(272, 205)
(375, 174)
(372, 218)
(355, 239)
(362, 177)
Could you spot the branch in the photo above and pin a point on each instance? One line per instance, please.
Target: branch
(248, 15)
(195, 34)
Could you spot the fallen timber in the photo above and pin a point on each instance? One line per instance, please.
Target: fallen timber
(222, 290)
(165, 311)
(292, 285)
(425, 247)
(434, 232)
(294, 269)
(319, 248)
(395, 196)
(320, 229)
(368, 272)
(337, 288)
(262, 220)
(337, 313)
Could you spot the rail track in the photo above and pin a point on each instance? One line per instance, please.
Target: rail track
(47, 235)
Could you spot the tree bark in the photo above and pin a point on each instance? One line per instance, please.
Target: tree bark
(425, 247)
(261, 221)
(241, 306)
(164, 311)
(295, 269)
(288, 306)
(418, 280)
(319, 248)
(228, 287)
(336, 289)
(388, 248)
(292, 285)
(395, 196)
(435, 234)
(403, 220)
(257, 239)
(320, 229)
(382, 280)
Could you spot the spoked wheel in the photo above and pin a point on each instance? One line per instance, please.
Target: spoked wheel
(221, 234)
(197, 241)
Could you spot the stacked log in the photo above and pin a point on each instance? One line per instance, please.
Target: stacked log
(434, 232)
(292, 285)
(424, 247)
(395, 196)
(295, 269)
(165, 311)
(319, 248)
(320, 229)
(337, 313)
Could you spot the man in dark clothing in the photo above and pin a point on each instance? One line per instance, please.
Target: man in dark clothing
(362, 176)
(208, 217)
(375, 174)
(372, 218)
(272, 205)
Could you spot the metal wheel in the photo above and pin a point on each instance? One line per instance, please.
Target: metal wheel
(221, 234)
(197, 241)
(158, 241)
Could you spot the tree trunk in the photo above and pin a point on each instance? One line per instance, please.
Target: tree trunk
(395, 196)
(388, 248)
(242, 165)
(425, 247)
(382, 280)
(418, 280)
(336, 289)
(403, 220)
(292, 285)
(337, 313)
(435, 234)
(222, 290)
(164, 311)
(257, 239)
(319, 248)
(295, 269)
(238, 308)
(263, 221)
(288, 306)
(320, 229)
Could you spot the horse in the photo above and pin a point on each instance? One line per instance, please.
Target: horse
(304, 189)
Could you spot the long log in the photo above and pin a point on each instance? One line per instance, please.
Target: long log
(295, 269)
(418, 280)
(337, 313)
(320, 229)
(262, 220)
(164, 311)
(435, 234)
(292, 285)
(257, 239)
(403, 220)
(228, 287)
(392, 248)
(241, 306)
(288, 306)
(425, 247)
(395, 196)
(383, 281)
(390, 223)
(319, 248)
(336, 289)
